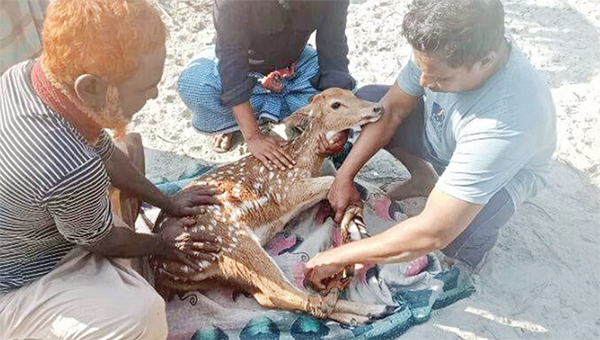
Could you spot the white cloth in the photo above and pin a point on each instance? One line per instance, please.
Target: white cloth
(85, 297)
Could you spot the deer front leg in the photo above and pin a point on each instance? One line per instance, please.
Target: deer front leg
(310, 191)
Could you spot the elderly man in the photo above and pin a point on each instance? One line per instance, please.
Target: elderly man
(470, 104)
(263, 70)
(102, 61)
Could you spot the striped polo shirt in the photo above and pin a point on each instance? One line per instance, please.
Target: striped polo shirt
(53, 184)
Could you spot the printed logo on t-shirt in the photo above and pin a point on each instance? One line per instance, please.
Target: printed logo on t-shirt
(437, 117)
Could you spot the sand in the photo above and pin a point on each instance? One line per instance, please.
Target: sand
(542, 279)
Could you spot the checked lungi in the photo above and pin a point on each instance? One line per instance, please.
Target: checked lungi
(200, 88)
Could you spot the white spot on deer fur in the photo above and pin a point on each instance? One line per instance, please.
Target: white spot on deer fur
(262, 168)
(271, 175)
(234, 239)
(278, 197)
(257, 186)
(211, 228)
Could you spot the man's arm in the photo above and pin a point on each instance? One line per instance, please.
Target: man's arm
(443, 219)
(396, 106)
(180, 244)
(124, 175)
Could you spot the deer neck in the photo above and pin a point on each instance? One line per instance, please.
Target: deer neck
(304, 150)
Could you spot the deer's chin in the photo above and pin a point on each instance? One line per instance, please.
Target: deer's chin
(369, 119)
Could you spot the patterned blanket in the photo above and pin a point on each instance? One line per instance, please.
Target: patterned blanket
(416, 288)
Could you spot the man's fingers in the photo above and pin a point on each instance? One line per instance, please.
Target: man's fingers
(203, 189)
(202, 236)
(290, 161)
(203, 257)
(185, 261)
(206, 247)
(266, 162)
(205, 200)
(315, 280)
(279, 158)
(274, 158)
(186, 222)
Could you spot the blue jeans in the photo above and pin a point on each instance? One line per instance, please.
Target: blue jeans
(472, 245)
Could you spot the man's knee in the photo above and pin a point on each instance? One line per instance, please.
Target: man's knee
(145, 318)
(473, 244)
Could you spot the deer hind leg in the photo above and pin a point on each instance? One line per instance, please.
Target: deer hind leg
(250, 266)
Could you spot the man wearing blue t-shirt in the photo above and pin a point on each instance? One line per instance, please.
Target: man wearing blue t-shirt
(471, 105)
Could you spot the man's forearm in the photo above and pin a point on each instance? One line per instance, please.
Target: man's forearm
(443, 219)
(124, 242)
(125, 176)
(244, 116)
(404, 242)
(372, 138)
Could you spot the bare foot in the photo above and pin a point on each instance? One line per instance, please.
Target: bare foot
(414, 187)
(222, 143)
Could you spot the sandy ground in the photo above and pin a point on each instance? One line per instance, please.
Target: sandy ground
(542, 280)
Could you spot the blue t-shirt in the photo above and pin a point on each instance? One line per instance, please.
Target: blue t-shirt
(500, 135)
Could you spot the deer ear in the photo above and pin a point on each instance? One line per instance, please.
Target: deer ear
(300, 119)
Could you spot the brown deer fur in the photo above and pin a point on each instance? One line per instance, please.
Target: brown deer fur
(257, 203)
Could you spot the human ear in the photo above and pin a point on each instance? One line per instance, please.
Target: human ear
(91, 90)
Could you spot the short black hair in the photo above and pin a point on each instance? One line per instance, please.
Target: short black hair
(461, 31)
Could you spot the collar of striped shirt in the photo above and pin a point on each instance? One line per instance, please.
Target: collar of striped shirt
(61, 104)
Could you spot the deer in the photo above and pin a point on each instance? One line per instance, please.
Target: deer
(256, 204)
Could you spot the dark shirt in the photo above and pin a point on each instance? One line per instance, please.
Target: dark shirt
(262, 36)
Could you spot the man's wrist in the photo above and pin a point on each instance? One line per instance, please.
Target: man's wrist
(157, 245)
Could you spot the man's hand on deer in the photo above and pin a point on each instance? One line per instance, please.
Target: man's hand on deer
(186, 245)
(322, 269)
(334, 146)
(192, 200)
(269, 151)
(342, 194)
(327, 271)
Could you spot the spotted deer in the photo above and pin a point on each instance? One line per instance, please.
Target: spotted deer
(258, 202)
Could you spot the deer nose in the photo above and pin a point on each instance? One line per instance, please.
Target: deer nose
(378, 109)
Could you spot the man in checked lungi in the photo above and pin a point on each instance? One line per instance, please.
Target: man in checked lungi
(262, 70)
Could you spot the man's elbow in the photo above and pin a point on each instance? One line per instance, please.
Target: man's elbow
(441, 241)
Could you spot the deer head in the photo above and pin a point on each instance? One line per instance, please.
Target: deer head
(334, 110)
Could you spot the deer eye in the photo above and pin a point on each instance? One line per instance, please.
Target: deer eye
(336, 105)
